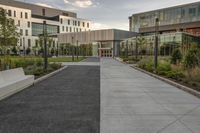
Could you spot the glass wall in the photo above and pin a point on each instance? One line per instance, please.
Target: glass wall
(184, 14)
(37, 29)
(167, 43)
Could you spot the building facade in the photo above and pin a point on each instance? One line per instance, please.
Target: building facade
(184, 18)
(167, 43)
(105, 43)
(29, 20)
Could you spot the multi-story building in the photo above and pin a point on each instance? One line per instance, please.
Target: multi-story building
(184, 18)
(178, 27)
(29, 19)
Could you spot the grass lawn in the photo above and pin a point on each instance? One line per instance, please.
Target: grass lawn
(66, 59)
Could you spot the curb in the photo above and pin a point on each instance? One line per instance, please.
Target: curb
(48, 75)
(182, 87)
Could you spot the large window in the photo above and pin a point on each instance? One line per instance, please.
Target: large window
(37, 29)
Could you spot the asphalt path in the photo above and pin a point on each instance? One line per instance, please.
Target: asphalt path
(68, 102)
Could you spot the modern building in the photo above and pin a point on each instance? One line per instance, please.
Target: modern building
(29, 19)
(184, 18)
(167, 43)
(105, 43)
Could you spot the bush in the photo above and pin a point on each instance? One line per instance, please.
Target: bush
(192, 58)
(176, 56)
(164, 66)
(175, 75)
(146, 63)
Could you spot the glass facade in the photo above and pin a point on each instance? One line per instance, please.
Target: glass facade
(37, 29)
(168, 16)
(167, 43)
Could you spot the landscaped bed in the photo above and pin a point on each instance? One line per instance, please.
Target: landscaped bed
(183, 69)
(34, 65)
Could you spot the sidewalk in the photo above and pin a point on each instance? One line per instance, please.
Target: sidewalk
(133, 102)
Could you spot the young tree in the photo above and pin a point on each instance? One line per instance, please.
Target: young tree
(8, 31)
(176, 56)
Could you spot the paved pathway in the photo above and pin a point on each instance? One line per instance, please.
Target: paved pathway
(68, 102)
(133, 102)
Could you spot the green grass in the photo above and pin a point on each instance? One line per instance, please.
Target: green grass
(56, 59)
(65, 59)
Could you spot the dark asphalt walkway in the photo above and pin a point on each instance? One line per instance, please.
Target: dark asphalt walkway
(68, 102)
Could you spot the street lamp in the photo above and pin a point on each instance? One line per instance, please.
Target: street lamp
(72, 48)
(156, 44)
(77, 50)
(45, 45)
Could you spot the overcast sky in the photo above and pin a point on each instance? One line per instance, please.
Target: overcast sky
(108, 13)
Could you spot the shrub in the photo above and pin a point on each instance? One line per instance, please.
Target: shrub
(176, 56)
(146, 63)
(164, 66)
(175, 75)
(192, 58)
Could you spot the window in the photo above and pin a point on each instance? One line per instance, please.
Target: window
(26, 32)
(192, 11)
(29, 42)
(20, 42)
(21, 32)
(63, 28)
(9, 13)
(199, 11)
(18, 22)
(74, 29)
(88, 25)
(61, 20)
(26, 15)
(43, 12)
(66, 29)
(21, 14)
(36, 43)
(70, 29)
(15, 14)
(75, 23)
(78, 23)
(68, 22)
(83, 24)
(28, 24)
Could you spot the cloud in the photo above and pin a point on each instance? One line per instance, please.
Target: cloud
(98, 26)
(45, 5)
(79, 3)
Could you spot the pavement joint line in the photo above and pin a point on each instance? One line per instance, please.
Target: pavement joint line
(178, 119)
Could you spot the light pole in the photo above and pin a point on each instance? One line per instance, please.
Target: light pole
(45, 45)
(72, 48)
(77, 50)
(136, 48)
(156, 44)
(24, 48)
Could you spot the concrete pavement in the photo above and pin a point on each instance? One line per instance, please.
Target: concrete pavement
(133, 102)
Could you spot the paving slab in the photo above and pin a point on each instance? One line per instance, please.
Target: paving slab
(134, 102)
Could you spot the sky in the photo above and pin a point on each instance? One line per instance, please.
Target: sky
(107, 14)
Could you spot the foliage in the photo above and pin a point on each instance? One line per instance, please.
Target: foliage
(146, 63)
(176, 56)
(8, 31)
(192, 58)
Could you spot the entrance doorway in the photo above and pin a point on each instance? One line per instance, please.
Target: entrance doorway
(105, 53)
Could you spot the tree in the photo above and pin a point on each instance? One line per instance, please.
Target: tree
(141, 41)
(28, 51)
(8, 31)
(14, 50)
(192, 58)
(176, 56)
